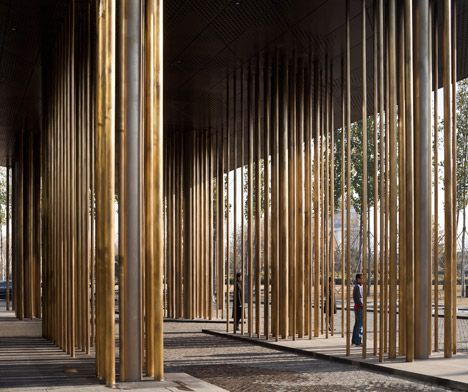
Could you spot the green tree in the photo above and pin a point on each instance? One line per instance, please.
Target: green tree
(356, 170)
(462, 165)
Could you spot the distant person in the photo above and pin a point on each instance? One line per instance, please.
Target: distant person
(357, 297)
(237, 309)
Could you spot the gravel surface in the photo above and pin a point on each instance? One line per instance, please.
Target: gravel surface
(238, 366)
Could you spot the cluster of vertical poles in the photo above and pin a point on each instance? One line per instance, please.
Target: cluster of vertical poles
(89, 103)
(71, 290)
(256, 195)
(25, 193)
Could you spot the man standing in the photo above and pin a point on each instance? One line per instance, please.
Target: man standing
(237, 308)
(357, 297)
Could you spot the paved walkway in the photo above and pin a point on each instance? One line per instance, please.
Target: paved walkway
(194, 362)
(240, 366)
(29, 362)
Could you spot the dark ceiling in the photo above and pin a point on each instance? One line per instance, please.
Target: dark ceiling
(203, 39)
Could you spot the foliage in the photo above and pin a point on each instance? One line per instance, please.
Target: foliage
(462, 144)
(356, 164)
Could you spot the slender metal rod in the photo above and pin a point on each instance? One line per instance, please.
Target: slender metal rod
(266, 196)
(316, 181)
(242, 142)
(454, 173)
(291, 141)
(382, 247)
(235, 305)
(435, 28)
(7, 251)
(364, 178)
(422, 182)
(131, 54)
(250, 195)
(105, 150)
(376, 183)
(258, 128)
(343, 161)
(448, 177)
(300, 272)
(401, 184)
(392, 157)
(409, 184)
(283, 177)
(348, 180)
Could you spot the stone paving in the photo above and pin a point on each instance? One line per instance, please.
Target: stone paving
(28, 363)
(462, 327)
(238, 366)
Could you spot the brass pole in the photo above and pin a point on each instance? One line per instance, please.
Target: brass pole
(242, 142)
(283, 181)
(7, 252)
(250, 195)
(266, 196)
(317, 214)
(448, 179)
(401, 184)
(211, 227)
(376, 183)
(167, 223)
(197, 225)
(364, 180)
(332, 202)
(321, 187)
(29, 229)
(307, 113)
(300, 269)
(72, 186)
(130, 190)
(228, 237)
(429, 300)
(92, 153)
(275, 199)
(386, 183)
(454, 173)
(182, 175)
(435, 27)
(88, 230)
(234, 297)
(158, 129)
(326, 269)
(220, 224)
(409, 185)
(258, 127)
(149, 194)
(382, 276)
(200, 227)
(202, 224)
(343, 160)
(348, 180)
(291, 117)
(105, 186)
(422, 183)
(392, 157)
(80, 188)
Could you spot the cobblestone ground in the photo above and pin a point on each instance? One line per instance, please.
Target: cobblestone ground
(462, 327)
(237, 366)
